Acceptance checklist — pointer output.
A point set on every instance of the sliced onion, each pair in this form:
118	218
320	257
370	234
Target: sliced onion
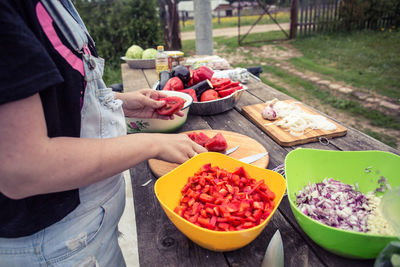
293	118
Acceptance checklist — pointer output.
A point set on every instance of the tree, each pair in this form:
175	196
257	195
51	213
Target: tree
170	23
115	25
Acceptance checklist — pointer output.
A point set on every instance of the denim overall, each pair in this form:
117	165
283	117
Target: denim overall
88	236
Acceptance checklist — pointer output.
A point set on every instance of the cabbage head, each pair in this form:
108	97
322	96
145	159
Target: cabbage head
149	53
134	52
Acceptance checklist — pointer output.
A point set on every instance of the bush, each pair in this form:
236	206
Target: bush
115	25
372	14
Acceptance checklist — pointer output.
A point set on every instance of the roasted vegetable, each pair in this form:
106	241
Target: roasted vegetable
182	73
202	73
164	77
201	87
173	84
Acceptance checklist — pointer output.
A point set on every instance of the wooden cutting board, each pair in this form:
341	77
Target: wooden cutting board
247	147
284	138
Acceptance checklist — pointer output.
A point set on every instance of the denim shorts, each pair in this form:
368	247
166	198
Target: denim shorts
83	238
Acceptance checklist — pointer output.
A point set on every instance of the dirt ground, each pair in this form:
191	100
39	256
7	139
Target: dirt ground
281	52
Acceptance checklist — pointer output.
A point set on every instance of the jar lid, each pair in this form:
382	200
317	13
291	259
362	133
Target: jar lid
175	53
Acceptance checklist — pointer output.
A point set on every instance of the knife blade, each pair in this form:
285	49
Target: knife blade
253	158
233	149
274	256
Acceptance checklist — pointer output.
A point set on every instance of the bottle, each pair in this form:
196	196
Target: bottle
161	60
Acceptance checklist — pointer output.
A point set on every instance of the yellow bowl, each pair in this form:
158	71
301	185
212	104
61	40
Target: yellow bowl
168	192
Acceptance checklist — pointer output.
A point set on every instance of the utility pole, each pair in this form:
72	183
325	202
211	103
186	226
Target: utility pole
203	27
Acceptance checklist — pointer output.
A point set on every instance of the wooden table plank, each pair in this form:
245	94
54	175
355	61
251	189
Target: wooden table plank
133	79
151	77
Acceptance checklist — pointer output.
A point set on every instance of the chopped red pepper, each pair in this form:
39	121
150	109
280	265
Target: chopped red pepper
220	200
217	143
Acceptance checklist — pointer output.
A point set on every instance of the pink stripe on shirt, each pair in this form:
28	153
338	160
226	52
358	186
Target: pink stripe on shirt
47	25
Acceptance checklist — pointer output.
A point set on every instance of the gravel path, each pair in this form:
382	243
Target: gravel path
233	31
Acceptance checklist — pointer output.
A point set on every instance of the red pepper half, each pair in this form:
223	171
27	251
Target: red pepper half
190	92
219	82
173	104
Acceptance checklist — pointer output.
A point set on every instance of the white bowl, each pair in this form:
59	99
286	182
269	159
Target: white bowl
139	125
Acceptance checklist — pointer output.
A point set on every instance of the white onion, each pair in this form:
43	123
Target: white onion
296	120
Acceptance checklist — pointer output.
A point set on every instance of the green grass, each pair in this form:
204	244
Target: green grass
189	47
365	59
231	44
226	22
375	117
253	40
112	74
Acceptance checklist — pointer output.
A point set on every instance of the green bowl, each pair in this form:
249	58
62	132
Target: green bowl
312	165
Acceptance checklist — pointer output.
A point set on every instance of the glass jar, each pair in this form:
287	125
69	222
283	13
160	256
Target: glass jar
175	58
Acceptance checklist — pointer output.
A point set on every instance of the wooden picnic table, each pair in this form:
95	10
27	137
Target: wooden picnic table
160	243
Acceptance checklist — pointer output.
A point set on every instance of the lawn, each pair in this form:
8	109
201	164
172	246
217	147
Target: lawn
366	59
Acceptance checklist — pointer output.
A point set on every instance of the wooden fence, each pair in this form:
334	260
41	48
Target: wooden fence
309	16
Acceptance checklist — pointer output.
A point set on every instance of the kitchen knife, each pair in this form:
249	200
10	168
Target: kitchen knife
274	256
233	149
253	158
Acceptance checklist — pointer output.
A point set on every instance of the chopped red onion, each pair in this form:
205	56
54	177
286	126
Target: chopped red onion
335	204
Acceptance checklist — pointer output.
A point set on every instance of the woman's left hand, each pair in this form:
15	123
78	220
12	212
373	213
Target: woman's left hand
143	104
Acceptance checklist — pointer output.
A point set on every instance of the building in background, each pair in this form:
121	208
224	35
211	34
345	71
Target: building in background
219	8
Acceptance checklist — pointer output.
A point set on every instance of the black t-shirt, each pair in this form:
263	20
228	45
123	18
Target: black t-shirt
29	64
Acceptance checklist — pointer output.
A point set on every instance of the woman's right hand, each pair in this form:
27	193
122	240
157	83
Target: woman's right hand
177	148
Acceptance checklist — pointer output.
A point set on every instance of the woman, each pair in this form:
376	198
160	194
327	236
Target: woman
63	142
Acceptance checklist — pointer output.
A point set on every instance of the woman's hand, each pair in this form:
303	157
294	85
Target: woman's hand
143	104
176	148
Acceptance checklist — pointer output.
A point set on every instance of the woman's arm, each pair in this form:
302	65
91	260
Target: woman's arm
31	163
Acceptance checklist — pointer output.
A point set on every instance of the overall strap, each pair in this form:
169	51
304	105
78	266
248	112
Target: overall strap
71	29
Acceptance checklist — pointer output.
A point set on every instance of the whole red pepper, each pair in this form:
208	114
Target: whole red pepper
201	74
174	84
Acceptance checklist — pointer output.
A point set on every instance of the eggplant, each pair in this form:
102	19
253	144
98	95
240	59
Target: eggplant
200	87
164	77
182	73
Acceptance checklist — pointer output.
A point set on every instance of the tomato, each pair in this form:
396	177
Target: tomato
174	84
173	104
208	95
219	200
217	143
